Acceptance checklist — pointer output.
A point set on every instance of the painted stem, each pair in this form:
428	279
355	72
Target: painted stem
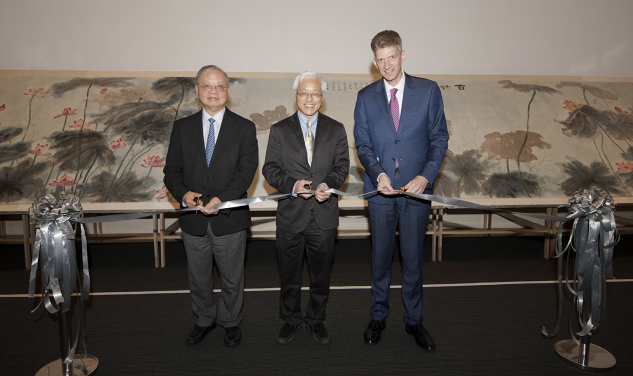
614	143
27	128
182	97
459	183
136	157
29	123
49	174
119	169
484	188
611	167
598	151
527	133
65	120
27	170
83	121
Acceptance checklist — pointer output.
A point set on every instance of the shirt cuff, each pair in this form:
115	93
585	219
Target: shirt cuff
293	189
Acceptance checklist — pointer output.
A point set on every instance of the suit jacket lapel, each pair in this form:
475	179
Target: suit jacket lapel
322	128
295	129
381	99
198	135
408	100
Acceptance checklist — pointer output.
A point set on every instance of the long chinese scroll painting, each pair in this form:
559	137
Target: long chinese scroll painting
106	138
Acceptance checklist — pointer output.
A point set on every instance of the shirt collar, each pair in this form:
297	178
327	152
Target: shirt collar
304	120
399	86
218	117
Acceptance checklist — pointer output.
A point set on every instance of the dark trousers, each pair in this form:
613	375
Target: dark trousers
228	252
412	220
319	246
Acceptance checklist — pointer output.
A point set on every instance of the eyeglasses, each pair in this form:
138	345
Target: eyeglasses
305	95
219	88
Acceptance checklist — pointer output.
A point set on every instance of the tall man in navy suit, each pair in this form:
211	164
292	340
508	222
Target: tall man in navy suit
401	139
212	158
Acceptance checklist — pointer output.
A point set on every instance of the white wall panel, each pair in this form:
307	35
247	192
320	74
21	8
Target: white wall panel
538	37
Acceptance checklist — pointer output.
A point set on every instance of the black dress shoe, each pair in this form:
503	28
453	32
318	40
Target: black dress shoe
232	336
287	333
198	333
374	331
422	337
319	333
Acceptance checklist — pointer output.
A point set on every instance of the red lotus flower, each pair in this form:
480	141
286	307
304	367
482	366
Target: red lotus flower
153	161
66	112
64	180
571	105
162	193
38	150
103	91
77	125
115	144
3	107
619	111
625	166
40	93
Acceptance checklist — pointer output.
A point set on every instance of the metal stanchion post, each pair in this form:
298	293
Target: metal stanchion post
64	340
585	355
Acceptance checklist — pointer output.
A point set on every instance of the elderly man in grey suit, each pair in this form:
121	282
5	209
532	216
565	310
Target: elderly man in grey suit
212	158
306	149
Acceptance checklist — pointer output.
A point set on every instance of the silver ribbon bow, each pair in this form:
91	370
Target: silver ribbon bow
593	238
54	251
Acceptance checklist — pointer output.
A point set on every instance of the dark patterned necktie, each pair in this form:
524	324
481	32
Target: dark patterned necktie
210	141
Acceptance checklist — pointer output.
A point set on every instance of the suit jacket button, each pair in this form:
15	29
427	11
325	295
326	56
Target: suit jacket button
311	175
208	178
393	159
208	196
397	142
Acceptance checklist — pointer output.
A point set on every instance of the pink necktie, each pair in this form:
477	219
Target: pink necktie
395	112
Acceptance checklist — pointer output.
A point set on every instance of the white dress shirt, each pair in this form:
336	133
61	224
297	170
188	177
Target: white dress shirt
216	126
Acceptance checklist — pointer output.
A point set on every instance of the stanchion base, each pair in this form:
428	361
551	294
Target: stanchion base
54	368
599	359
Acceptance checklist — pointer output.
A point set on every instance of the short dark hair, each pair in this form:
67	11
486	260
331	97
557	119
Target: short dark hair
385	39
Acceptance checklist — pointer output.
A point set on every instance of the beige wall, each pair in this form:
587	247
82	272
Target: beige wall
536	37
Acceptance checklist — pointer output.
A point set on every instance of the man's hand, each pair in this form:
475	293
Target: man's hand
300	187
384	185
190	199
214	201
417	185
320	194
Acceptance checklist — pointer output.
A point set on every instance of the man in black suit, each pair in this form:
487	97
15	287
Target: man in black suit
307	147
212	158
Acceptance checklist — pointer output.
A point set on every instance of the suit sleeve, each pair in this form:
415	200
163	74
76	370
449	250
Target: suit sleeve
364	143
174	168
438	136
272	170
340	169
246	166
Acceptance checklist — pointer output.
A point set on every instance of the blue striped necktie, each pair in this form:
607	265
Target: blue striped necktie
210	141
